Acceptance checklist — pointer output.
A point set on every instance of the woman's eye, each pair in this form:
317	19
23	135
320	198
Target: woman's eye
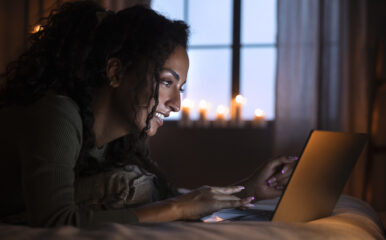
182	89
166	83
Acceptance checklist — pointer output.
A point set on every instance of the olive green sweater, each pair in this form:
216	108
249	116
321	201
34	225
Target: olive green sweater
39	147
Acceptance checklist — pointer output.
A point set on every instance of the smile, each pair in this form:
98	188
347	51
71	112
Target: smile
160	118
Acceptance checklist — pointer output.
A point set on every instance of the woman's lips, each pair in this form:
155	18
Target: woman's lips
159	121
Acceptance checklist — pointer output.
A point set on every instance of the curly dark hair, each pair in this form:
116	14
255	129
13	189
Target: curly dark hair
69	56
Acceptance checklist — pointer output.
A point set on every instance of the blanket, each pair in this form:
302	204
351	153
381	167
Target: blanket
351	219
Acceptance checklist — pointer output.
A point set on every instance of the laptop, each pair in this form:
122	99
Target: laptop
315	185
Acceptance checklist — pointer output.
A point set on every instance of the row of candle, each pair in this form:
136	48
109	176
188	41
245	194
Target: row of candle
221	114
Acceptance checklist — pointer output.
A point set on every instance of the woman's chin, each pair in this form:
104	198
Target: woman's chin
152	131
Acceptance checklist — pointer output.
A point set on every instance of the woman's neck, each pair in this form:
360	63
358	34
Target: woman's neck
107	126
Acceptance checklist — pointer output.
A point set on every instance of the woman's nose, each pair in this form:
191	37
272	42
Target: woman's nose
174	102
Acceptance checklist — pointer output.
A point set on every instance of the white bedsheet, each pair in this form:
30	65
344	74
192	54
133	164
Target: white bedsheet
351	219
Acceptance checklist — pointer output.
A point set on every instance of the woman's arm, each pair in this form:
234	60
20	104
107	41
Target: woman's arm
49	152
194	205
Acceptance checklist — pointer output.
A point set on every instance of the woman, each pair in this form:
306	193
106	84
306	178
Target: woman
76	109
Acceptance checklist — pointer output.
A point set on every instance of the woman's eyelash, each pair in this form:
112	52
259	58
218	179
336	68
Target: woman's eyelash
166	82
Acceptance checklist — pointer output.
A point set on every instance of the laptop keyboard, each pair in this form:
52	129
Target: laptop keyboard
258	215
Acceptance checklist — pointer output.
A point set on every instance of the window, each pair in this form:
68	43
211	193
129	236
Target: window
232	50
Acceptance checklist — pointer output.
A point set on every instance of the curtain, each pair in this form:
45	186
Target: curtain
323	76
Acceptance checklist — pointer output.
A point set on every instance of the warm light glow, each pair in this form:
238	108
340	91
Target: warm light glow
259	113
37	28
187	103
240	99
203	104
221	109
213	219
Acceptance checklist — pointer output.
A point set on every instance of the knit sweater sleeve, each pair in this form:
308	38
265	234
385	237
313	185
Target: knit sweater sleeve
48	153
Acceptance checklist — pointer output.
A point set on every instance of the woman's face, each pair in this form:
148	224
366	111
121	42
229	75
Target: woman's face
172	78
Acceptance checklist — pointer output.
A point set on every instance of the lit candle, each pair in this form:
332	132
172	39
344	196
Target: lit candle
203	109
37	28
237	105
220	116
259	119
186	107
203	113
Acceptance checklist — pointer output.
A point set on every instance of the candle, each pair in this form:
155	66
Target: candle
259	119
203	114
237	105
186	107
220	116
203	109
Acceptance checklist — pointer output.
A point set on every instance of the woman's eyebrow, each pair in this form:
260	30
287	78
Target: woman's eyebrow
175	75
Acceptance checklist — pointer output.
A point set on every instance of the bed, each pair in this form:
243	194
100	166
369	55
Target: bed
351	219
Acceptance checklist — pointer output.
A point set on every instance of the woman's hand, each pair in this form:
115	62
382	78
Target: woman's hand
194	205
269	180
206	200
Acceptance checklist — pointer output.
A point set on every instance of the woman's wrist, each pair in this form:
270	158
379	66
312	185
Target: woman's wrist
162	211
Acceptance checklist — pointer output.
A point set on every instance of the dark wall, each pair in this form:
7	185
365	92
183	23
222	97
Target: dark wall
192	157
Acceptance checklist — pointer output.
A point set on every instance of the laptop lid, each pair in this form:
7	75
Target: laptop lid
320	176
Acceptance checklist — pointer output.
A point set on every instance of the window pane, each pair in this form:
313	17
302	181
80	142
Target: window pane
173	9
258	73
209	79
210	21
258	21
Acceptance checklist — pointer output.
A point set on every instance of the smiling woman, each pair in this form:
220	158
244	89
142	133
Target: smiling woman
75	113
172	79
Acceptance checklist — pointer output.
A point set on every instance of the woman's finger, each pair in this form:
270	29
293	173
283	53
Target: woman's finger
283	181
285	172
276	162
237	203
227	190
277	178
272	182
290	159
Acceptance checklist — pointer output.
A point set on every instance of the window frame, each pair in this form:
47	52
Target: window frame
235	45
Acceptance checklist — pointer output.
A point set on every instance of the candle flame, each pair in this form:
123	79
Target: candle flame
187	103
203	104
240	99
259	113
221	109
37	28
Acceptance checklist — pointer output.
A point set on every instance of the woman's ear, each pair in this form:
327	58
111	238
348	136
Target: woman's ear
113	70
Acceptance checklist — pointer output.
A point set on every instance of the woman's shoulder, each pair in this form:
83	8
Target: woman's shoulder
53	106
57	101
51	112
